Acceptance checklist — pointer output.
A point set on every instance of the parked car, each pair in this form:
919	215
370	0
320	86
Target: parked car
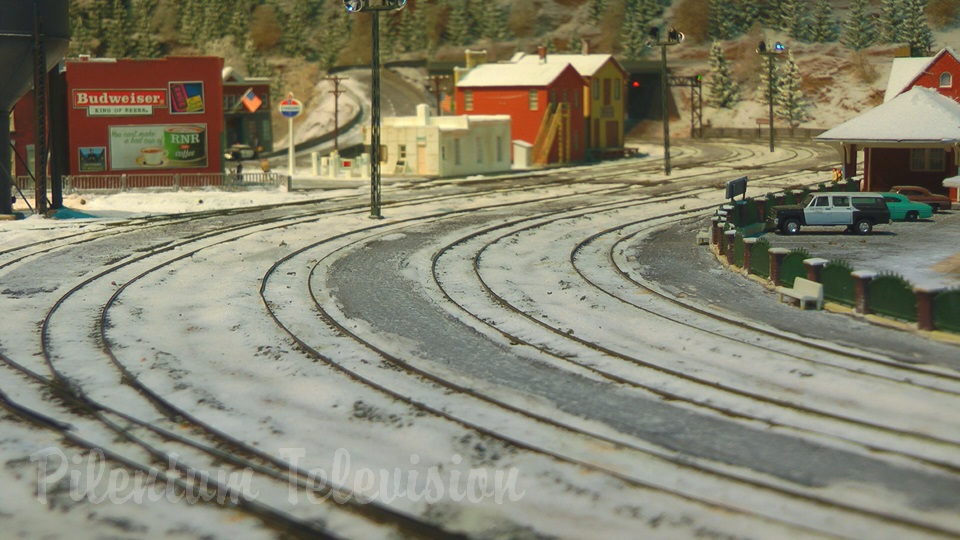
923	195
903	209
859	212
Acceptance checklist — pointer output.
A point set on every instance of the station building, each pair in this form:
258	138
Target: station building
913	137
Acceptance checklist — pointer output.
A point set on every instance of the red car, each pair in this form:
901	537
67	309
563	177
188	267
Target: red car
919	194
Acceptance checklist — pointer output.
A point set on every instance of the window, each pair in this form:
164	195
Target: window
456	151
553	97
534	100
499	149
596	89
617	83
443	153
383	153
927	159
402	151
946	80
468	100
841	201
823	201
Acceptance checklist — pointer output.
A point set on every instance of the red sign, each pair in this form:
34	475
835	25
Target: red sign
108	98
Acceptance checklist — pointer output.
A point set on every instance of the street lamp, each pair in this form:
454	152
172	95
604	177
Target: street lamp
674	37
374	6
762	50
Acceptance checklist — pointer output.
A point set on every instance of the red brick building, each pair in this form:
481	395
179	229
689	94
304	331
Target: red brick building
543	100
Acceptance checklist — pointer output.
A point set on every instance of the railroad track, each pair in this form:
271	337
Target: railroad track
156	414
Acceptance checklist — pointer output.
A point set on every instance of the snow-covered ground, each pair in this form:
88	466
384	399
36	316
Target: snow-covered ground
185	317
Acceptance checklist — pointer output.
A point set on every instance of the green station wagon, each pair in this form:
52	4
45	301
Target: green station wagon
903	209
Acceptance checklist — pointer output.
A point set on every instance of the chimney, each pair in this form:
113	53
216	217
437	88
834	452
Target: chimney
475	58
423	114
584	46
542	52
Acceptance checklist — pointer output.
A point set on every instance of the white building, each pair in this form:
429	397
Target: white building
429	145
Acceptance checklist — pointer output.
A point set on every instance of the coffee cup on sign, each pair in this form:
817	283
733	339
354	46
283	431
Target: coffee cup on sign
152	155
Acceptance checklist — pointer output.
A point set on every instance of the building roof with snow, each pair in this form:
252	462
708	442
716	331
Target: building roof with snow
905	71
587	65
511	74
920	115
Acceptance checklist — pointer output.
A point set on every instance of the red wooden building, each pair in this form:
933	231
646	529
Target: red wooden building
914	136
543	100
139	118
130	116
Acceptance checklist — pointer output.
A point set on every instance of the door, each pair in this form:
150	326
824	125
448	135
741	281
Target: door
421	158
613	134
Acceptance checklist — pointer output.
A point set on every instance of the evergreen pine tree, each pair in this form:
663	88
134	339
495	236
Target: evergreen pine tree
191	22
916	31
145	40
239	23
334	33
118	30
892	15
295	40
823	29
724	91
859	32
791	103
459	25
637	21
793	18
768	85
723	20
490	20
595	10
81	36
256	64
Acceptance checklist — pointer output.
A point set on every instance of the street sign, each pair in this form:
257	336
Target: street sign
291	108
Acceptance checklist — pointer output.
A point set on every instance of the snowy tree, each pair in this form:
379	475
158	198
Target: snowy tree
297	21
595	10
145	40
334	33
822	28
724	91
723	20
118	30
240	21
791	103
82	36
768	84
792	18
892	15
460	24
916	31
859	32
638	19
490	19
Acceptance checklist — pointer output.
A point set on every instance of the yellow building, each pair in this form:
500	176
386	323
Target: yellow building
604	95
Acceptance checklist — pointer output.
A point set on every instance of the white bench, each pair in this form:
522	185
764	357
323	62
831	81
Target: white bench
804	291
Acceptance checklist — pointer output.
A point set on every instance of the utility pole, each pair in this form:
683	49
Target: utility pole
437	79
336	109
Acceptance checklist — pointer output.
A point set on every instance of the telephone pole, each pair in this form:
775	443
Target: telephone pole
336	109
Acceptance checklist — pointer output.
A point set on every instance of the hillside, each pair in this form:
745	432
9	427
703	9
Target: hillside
297	41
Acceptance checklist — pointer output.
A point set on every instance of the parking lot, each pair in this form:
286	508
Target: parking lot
925	252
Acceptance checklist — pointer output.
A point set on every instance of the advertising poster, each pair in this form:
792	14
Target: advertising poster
174	146
186	98
93	159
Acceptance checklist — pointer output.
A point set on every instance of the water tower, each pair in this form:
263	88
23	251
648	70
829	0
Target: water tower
19	20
